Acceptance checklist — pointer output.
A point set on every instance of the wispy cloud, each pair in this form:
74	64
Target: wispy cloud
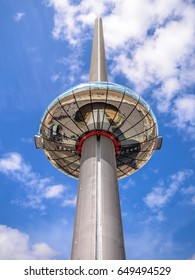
14	166
144	244
160	217
11	163
16	245
55	77
27	140
192	150
163	193
127	184
70	202
190	193
184	114
73	66
19	16
55	191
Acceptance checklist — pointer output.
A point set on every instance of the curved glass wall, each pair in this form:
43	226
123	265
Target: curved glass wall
69	116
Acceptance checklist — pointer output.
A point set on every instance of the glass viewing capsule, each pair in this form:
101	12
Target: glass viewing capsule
82	111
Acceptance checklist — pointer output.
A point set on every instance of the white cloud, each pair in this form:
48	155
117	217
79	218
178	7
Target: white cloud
19	16
190	193
27	140
192	150
158	60
73	66
157	215
155	171
190	190
14	166
157	198
162	194
125	184
42	251
160	217
55	77
184	114
55	191
70	19
144	244
150	42
10	163
70	202
193	257
193	200
15	245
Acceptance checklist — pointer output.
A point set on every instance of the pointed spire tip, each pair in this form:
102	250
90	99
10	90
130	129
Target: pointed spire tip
98	69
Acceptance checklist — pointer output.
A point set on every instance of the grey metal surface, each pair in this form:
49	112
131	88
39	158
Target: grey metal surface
98	230
158	143
98	120
98	70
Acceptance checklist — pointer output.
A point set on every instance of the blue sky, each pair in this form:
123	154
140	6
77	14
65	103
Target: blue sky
45	49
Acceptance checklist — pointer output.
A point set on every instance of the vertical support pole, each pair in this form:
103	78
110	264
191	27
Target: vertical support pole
98	69
98	233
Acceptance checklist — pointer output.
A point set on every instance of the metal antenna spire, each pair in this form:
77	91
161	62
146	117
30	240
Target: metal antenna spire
98	69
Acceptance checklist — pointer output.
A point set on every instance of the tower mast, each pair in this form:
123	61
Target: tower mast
98	233
98	69
98	132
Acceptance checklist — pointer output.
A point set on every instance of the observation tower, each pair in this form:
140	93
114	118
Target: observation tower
98	132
